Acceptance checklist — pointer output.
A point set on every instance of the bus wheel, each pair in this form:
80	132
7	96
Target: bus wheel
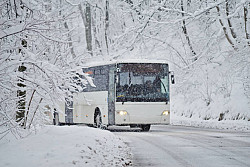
145	128
97	119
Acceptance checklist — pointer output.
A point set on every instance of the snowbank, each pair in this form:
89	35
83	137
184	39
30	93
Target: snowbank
217	110
66	146
239	125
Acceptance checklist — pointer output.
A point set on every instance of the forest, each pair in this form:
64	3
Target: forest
45	43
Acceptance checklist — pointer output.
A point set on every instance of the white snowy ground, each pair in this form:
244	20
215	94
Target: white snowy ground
238	125
75	146
66	146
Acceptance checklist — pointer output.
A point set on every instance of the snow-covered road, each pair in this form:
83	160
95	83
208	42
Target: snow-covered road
177	146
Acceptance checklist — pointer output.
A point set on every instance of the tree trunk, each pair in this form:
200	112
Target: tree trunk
88	28
21	94
97	44
70	43
245	24
35	113
86	17
107	24
184	28
229	21
225	30
28	109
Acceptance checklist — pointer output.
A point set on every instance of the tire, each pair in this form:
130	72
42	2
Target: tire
145	128
98	119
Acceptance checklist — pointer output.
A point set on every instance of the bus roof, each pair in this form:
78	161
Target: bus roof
100	63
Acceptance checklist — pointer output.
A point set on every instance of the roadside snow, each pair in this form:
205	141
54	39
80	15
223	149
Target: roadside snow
239	125
66	146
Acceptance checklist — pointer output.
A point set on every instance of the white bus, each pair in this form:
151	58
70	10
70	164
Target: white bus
125	93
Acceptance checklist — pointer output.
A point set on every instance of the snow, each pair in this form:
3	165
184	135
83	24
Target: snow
66	146
216	84
230	112
180	146
12	30
98	62
237	125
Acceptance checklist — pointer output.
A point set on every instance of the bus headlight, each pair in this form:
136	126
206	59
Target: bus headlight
122	113
166	112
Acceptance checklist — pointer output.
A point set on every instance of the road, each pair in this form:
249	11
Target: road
176	146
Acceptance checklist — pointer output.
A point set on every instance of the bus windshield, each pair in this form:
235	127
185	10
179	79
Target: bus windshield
142	82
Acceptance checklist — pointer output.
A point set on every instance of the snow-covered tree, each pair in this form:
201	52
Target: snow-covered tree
39	60
43	44
207	43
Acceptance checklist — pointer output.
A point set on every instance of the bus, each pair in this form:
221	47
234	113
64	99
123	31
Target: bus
125	94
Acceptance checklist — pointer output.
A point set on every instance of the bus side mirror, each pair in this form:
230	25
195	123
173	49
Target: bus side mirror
172	77
116	75
116	79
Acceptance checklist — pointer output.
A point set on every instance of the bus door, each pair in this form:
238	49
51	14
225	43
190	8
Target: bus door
69	111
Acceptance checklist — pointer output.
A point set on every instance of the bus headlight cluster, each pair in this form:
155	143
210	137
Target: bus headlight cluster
122	113
166	112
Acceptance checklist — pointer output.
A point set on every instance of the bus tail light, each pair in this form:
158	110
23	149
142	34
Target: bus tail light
166	112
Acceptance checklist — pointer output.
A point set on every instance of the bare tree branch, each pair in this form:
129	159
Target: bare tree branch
225	29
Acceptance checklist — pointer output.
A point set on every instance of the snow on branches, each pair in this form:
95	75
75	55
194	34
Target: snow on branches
38	61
